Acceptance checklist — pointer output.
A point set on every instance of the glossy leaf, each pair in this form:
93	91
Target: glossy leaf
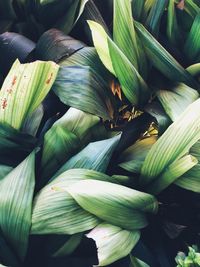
55	45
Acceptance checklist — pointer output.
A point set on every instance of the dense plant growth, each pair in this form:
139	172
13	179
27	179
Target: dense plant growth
99	133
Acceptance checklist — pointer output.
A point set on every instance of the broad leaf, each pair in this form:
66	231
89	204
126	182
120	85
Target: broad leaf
113	203
133	85
81	88
100	37
95	156
16	205
176	100
113	243
4	170
24	89
56	212
172	173
173	144
124	34
55	45
190	180
64	138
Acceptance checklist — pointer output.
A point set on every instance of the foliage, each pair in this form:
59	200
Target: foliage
99	132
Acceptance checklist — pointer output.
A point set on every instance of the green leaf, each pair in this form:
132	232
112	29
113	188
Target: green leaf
137	263
124	34
81	88
95	156
133	85
54	45
137	8
172	173
190	180
156	110
153	20
173	144
162	60
132	159
4	170
16	205
176	101
100	37
65	138
24	89
191	8
33	121
67	22
192	44
69	246
87	56
56	212
6	253
173	31
14	145
194	69
113	243
113	203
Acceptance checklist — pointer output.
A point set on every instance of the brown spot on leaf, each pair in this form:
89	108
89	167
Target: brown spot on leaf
4	103
49	79
14	80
